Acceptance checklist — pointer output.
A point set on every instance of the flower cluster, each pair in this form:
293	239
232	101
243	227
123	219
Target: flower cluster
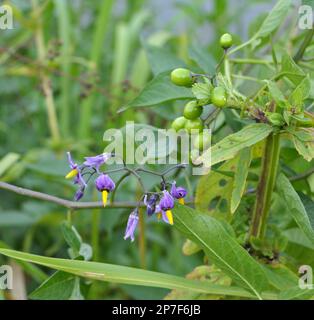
90	166
161	209
159	203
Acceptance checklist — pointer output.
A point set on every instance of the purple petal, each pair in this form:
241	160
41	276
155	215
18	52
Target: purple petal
164	217
79	194
166	202
104	182
177	192
131	226
79	180
71	162
97	161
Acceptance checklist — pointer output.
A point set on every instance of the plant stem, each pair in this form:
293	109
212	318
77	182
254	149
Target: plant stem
250	61
306	42
265	186
62	9
101	28
41	52
142	239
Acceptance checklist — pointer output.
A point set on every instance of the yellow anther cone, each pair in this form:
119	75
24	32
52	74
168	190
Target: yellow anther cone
181	200
71	174
169	216
104	197
159	215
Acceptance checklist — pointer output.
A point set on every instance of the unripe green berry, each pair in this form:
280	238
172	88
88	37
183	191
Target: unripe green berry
196	124
192	110
219	97
226	41
182	77
178	123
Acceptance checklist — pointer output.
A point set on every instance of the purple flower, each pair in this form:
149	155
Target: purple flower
151	204
75	172
162	214
104	184
131	225
79	194
166	202
97	161
178	192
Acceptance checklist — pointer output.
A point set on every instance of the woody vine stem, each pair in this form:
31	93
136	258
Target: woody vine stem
270	161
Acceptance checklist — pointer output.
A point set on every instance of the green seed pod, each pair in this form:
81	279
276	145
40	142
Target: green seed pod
226	41
182	77
178	123
192	110
196	124
219	97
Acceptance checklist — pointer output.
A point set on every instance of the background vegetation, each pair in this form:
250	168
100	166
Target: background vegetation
67	67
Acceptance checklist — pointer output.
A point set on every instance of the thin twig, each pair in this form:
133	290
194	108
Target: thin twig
63	202
72	205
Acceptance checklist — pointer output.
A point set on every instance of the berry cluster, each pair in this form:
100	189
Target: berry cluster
193	110
159	203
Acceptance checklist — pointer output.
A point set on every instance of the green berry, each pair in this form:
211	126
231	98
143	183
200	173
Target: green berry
192	110
178	123
182	77
226	40
196	124
219	97
202	141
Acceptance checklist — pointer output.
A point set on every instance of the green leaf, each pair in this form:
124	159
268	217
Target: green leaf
276	93
8	161
159	90
222	250
300	93
280	276
240	177
294	206
303	140
126	275
203	58
161	59
274	19
215	186
202	91
12	218
228	147
58	287
296	293
291	70
72	237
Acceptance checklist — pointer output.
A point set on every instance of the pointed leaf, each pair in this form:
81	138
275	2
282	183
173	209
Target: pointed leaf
159	90
274	19
126	275
222	249
228	147
240	177
294	206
